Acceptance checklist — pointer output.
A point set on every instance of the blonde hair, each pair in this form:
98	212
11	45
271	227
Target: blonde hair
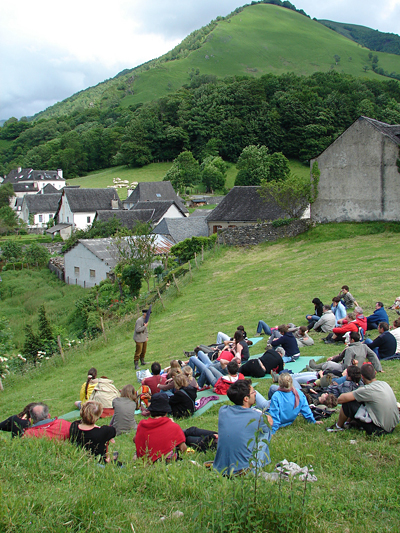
285	381
174	364
188	371
91	412
181	381
129	392
174	372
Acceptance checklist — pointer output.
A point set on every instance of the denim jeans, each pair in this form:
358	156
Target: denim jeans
369	341
221	337
261	402
207	370
201	358
263	326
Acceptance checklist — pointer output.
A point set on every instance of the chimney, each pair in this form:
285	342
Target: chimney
60	173
114	203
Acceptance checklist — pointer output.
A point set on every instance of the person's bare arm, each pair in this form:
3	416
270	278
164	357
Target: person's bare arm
346	397
182	447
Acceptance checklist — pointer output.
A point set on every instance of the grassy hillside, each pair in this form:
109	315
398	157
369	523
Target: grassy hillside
54	487
260	39
372	39
156	172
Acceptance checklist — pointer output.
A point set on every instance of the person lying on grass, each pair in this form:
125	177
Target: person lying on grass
243	433
158	436
286	404
86	434
271	360
372	407
17	423
45	426
350	381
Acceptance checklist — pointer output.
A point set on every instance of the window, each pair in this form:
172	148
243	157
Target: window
88	220
40	218
76	271
92	273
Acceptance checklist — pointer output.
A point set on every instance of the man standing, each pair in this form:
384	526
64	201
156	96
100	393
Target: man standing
242	432
373	407
140	336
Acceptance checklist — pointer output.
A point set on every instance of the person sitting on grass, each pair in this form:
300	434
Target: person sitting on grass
124	410
318	310
372	407
158	436
86	434
327	321
271	360
17	423
346	297
243	433
287	341
302	337
168	386
286	404
385	345
338	309
188	372
353	322
395	331
156	379
45	426
87	387
379	315
182	401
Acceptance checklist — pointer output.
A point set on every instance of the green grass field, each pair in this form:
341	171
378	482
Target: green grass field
156	172
52	487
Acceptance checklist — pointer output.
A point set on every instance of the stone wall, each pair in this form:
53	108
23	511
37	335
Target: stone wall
258	233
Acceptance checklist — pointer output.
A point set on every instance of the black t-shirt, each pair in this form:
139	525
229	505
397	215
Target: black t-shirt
245	351
182	402
14	424
94	440
272	361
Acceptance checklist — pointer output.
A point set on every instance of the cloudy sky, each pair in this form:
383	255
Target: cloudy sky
50	50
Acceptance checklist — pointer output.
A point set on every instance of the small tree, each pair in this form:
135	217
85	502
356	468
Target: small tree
132	276
185	171
293	195
6	193
46	338
336	58
31	345
213	173
35	254
11	251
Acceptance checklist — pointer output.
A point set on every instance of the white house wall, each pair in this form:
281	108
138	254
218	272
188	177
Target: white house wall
57	184
173	212
81	220
79	256
65	215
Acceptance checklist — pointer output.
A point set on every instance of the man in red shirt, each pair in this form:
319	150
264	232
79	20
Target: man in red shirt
159	436
45	426
155	379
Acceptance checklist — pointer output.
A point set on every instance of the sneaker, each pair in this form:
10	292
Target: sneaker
334	429
312	363
188	354
274	376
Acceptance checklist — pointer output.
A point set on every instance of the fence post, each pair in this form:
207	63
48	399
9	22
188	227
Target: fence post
202	252
195	259
60	347
103	329
159	295
176	283
190	270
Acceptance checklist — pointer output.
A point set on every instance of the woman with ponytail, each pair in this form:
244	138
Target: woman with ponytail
87	387
288	402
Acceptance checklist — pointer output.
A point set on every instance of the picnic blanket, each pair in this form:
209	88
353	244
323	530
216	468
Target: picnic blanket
72	415
217	398
254	340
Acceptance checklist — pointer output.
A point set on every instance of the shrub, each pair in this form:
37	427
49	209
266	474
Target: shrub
186	249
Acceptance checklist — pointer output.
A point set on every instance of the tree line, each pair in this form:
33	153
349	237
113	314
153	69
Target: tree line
296	115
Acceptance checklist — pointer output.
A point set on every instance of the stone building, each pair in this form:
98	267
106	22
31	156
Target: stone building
360	177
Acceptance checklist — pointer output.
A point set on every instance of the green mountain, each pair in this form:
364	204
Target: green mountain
252	41
372	39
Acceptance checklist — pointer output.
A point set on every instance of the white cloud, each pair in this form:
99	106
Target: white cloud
51	50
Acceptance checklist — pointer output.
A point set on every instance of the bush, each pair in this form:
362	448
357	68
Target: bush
186	249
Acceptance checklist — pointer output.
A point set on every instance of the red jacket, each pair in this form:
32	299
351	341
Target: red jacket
56	428
223	384
350	326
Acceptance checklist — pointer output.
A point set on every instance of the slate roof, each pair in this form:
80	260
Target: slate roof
87	200
30	175
245	204
180	229
48	189
200	213
159	208
128	218
107	251
42	203
155	191
25	187
393	132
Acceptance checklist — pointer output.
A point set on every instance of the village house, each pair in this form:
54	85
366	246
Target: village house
38	209
360	177
155	191
242	206
91	261
29	181
179	229
78	207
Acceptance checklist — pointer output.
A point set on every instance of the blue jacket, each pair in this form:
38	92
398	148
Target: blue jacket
283	412
379	315
339	311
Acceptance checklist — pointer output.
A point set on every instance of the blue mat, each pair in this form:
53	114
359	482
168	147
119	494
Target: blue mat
72	415
254	340
295	367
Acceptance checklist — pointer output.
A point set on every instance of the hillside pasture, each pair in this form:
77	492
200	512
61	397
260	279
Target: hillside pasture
42	482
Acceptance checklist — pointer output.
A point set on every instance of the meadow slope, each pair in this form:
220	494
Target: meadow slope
54	487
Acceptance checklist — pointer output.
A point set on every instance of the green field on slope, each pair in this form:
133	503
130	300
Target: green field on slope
54	487
262	39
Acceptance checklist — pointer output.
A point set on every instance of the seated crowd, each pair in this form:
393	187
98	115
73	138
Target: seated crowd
347	380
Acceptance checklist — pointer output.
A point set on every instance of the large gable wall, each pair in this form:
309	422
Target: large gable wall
359	178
